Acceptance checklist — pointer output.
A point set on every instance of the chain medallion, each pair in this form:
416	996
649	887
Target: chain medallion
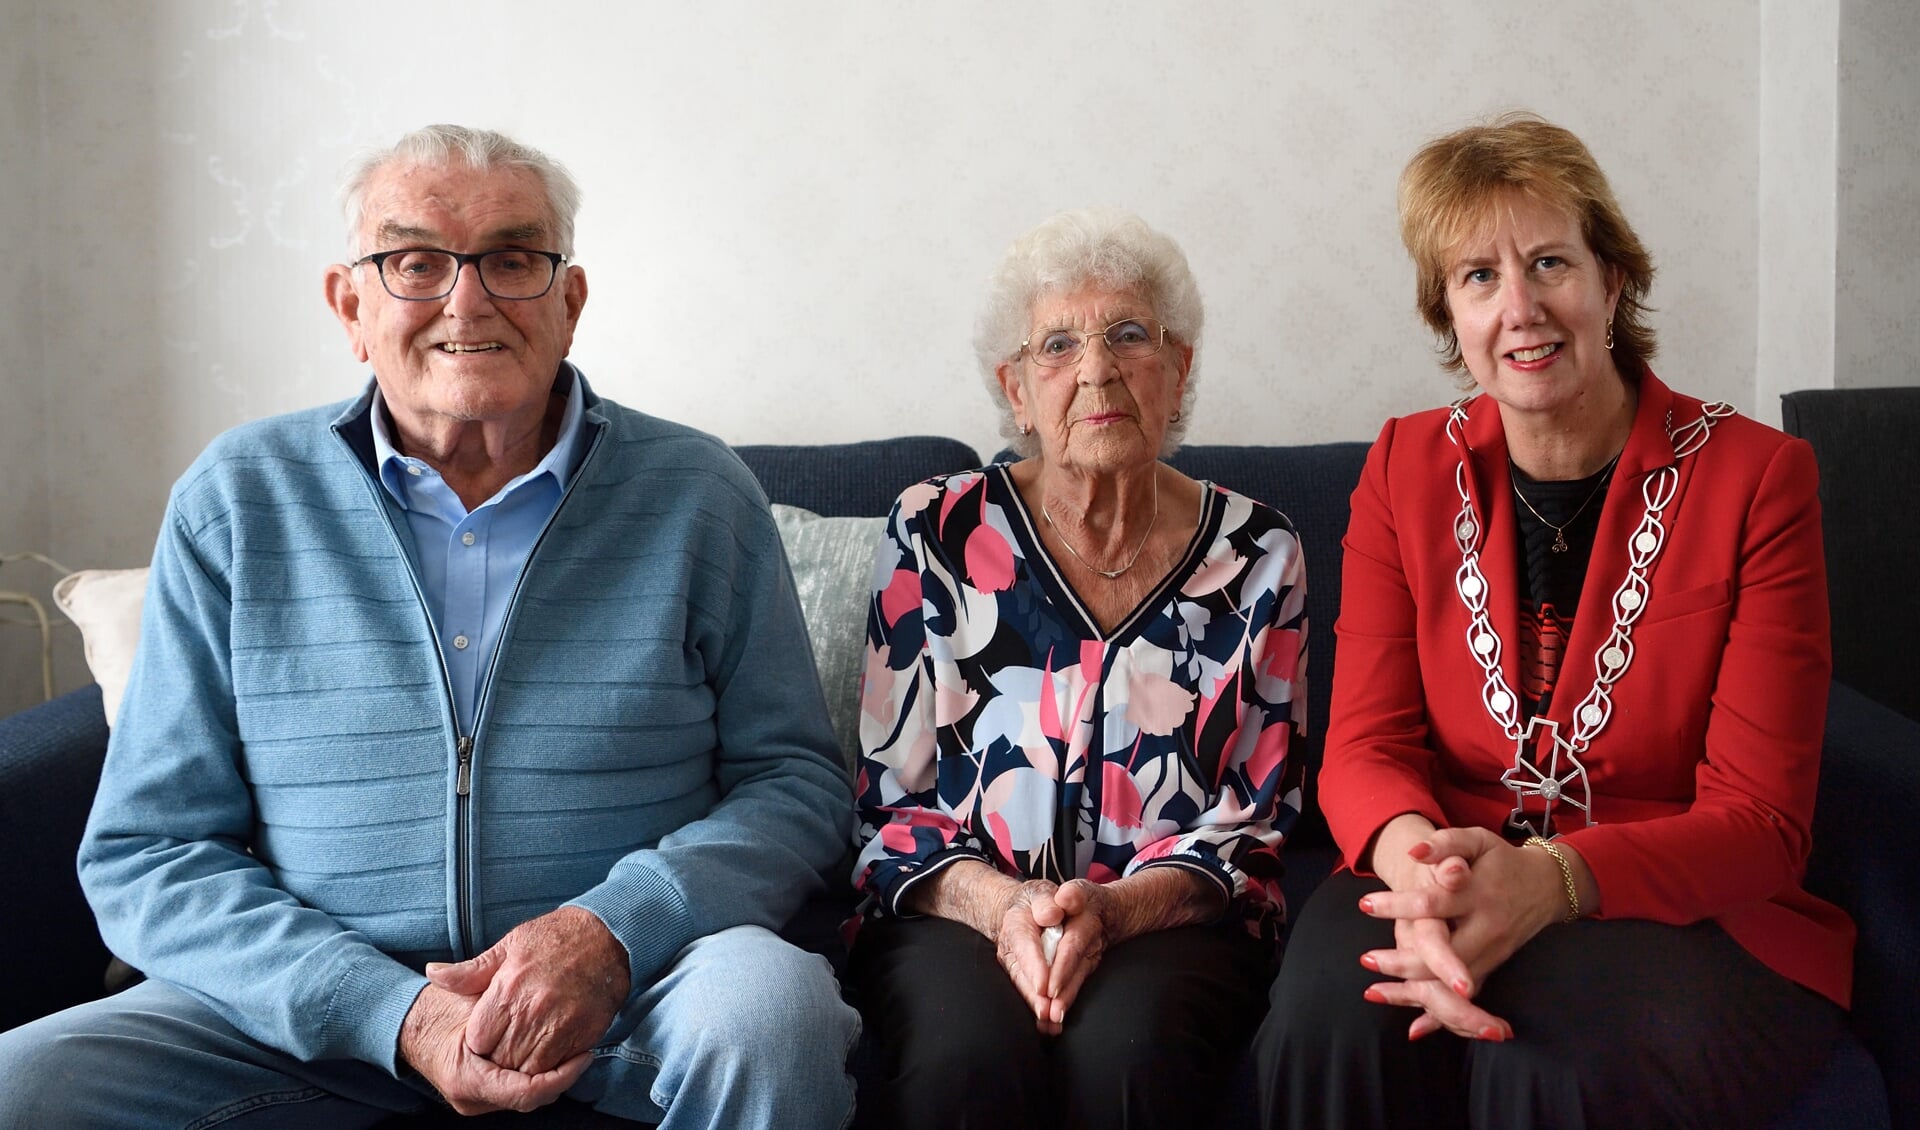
1554	774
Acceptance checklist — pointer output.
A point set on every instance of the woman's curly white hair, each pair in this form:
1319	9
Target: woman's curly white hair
1103	247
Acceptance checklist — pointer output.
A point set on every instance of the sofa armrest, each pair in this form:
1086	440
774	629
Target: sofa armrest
50	758
1866	858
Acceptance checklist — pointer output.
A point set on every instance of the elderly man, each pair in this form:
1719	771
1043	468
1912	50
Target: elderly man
474	745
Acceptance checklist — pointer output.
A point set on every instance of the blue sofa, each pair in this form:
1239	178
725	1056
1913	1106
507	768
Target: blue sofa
1867	829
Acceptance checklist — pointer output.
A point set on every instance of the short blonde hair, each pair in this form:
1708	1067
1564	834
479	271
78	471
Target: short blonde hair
1452	186
1105	247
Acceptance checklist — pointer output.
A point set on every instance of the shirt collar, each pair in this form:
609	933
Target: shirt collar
558	463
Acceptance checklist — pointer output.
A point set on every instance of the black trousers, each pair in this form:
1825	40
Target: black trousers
1151	1041
1616	1024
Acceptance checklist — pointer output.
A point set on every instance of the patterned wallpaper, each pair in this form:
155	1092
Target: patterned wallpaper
790	208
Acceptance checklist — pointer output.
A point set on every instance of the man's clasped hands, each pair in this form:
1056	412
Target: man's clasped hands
514	1027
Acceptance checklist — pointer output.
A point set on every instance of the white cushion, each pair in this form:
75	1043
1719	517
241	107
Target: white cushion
832	561
106	604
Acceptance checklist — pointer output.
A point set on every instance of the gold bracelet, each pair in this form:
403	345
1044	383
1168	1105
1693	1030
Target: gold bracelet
1566	873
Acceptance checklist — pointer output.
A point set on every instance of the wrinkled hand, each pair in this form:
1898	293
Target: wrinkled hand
546	992
1472	903
433	1042
1026	910
1083	906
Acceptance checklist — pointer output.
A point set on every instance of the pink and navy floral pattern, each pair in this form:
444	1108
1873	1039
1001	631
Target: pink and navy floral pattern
999	723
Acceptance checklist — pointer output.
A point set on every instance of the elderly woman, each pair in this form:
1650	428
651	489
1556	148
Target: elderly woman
1085	678
1577	710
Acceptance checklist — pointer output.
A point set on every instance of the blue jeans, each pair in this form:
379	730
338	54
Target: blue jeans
742	1030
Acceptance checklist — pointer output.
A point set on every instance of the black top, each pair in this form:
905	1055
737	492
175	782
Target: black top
1557	525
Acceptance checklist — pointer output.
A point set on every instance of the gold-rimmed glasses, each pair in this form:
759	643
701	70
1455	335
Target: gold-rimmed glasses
1128	339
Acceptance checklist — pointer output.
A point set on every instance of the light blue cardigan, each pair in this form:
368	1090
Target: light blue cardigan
280	828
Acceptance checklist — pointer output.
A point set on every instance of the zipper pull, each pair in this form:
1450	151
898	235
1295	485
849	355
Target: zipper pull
464	783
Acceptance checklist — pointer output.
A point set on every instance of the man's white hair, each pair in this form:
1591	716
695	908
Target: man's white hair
1103	247
438	146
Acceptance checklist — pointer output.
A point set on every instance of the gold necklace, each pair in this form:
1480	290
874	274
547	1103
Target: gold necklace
1137	550
1560	531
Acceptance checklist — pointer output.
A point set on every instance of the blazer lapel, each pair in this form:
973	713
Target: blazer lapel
1489	485
1648	450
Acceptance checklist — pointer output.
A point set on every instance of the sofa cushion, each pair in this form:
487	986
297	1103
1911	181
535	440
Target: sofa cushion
50	758
106	604
832	561
1869	470
852	480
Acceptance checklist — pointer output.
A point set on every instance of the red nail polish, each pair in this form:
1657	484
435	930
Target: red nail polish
1494	1034
1373	994
1368	961
1462	988
1421	1034
1366	905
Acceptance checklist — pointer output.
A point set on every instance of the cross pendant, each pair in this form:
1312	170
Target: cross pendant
1553	774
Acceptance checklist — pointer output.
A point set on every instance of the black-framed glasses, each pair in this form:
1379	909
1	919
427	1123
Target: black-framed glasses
422	274
1128	339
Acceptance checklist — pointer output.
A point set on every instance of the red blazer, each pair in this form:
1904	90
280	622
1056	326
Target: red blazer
1703	779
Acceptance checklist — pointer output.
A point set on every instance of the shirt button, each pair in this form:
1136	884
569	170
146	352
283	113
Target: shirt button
412	470
466	538
460	643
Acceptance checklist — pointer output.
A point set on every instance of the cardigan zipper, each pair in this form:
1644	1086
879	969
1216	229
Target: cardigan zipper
463	786
464	744
463	781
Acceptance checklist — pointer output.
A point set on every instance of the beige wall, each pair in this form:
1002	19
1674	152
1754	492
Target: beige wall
791	207
1877	314
23	453
1799	122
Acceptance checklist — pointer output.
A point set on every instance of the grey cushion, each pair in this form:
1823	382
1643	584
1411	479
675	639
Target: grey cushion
832	561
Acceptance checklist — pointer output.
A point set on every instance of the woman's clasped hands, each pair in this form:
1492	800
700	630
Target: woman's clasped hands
1462	901
1049	984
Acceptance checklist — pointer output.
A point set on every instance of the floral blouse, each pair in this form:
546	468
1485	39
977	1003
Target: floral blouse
1000	723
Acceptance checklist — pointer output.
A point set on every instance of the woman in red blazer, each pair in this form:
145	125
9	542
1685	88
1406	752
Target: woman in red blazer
1577	711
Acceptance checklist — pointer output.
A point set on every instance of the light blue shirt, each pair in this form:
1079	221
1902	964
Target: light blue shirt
470	560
